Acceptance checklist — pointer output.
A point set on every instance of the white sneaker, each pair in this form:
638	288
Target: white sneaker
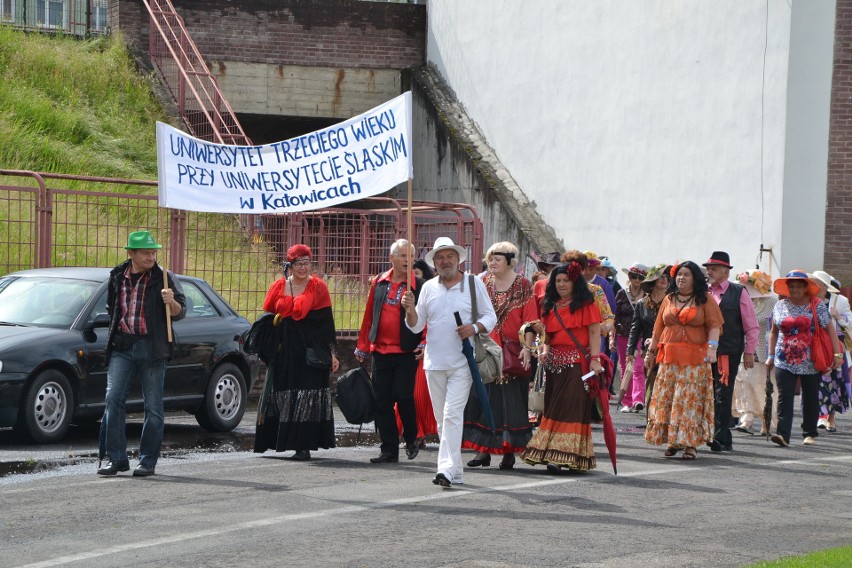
822	423
626	408
809	441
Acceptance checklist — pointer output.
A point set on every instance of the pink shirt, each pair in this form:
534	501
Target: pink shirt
749	318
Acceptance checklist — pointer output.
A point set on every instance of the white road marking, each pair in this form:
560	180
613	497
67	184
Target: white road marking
459	492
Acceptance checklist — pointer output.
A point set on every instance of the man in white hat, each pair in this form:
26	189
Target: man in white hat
447	371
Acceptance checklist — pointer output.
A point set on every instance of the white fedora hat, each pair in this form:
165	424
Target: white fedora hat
825	278
444	243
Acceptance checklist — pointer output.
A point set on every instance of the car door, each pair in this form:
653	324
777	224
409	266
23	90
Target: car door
196	336
95	340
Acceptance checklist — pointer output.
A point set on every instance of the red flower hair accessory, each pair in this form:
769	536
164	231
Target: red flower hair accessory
574	271
297	252
673	271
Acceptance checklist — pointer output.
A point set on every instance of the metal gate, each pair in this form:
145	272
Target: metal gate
59	220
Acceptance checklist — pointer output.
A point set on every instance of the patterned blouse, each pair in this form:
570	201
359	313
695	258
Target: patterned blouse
795	329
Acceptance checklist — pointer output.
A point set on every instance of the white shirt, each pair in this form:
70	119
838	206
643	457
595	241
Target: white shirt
435	309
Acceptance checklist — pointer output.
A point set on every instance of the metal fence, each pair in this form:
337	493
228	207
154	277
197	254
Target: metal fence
75	17
59	220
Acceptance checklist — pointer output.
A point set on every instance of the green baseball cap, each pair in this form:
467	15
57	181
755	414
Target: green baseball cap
142	240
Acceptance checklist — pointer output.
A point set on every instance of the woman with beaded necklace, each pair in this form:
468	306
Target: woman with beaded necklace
686	335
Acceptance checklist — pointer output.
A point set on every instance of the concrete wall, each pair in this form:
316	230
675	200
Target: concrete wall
807	127
305	91
305	58
646	130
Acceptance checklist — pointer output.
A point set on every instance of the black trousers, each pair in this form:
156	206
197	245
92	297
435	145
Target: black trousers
810	402
393	382
723	397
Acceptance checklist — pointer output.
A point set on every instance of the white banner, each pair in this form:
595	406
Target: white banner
364	156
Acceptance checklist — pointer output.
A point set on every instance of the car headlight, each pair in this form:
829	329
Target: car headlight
1	366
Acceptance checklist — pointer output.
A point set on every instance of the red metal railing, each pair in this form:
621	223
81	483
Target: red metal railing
183	71
58	220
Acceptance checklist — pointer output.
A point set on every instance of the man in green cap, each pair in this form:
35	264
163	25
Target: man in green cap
137	347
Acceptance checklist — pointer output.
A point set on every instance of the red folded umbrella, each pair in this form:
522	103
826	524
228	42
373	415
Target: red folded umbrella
599	392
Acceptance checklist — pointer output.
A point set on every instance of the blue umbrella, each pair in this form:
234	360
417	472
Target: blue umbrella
478	385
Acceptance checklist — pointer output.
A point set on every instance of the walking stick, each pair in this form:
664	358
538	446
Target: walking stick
165	283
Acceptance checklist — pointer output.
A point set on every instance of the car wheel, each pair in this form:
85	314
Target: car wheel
47	406
225	399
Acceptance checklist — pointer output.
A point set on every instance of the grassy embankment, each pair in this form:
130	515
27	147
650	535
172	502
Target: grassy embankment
80	107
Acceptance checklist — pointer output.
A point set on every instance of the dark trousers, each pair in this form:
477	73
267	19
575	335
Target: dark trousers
810	402
724	395
393	382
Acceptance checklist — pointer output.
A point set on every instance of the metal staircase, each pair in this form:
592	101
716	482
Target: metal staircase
175	56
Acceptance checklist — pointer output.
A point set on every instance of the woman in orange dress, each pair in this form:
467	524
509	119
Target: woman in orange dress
564	438
295	412
686	335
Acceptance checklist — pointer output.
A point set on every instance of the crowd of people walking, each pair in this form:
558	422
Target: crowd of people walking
699	352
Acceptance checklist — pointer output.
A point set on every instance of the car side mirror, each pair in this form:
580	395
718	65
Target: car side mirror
101	320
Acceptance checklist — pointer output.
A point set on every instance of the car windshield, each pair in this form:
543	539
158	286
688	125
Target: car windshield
43	302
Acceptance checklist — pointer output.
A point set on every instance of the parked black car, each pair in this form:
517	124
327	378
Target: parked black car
53	341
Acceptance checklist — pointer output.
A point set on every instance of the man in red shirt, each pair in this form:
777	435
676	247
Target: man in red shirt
385	335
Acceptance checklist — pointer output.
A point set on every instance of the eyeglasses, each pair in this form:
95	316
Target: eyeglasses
302	264
635	276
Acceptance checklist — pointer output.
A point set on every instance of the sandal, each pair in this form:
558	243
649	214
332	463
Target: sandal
671	451
689	454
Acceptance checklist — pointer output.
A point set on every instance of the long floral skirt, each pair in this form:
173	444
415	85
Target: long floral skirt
681	410
564	436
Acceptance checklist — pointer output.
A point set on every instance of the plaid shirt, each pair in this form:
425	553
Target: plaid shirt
132	304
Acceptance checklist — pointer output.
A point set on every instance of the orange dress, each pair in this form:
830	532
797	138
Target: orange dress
681	409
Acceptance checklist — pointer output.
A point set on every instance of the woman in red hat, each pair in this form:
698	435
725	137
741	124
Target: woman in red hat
295	412
790	339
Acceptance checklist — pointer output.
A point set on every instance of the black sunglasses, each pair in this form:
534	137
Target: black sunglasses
635	276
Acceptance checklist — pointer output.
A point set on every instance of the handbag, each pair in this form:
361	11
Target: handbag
316	358
488	355
512	363
822	351
536	400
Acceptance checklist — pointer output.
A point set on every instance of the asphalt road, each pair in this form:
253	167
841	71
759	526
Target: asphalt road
216	507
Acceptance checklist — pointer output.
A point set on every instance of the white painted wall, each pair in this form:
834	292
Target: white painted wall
638	126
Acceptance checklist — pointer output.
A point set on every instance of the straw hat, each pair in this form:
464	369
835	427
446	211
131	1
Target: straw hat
824	278
445	243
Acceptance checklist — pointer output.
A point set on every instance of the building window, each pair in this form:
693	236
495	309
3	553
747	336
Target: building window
50	13
7	11
99	15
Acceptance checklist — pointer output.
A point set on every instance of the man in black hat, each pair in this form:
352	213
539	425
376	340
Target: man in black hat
737	342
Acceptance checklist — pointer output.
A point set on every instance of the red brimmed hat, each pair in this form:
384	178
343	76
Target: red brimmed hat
780	284
719	258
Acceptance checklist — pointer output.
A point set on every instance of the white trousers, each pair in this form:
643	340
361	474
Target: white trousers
449	391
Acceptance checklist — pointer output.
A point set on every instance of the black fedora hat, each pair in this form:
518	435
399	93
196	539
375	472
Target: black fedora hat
719	258
549	259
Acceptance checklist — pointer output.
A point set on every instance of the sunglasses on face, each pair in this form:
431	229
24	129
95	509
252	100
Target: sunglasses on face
635	276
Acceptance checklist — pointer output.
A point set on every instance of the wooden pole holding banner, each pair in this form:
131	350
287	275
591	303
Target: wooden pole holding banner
165	277
411	280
